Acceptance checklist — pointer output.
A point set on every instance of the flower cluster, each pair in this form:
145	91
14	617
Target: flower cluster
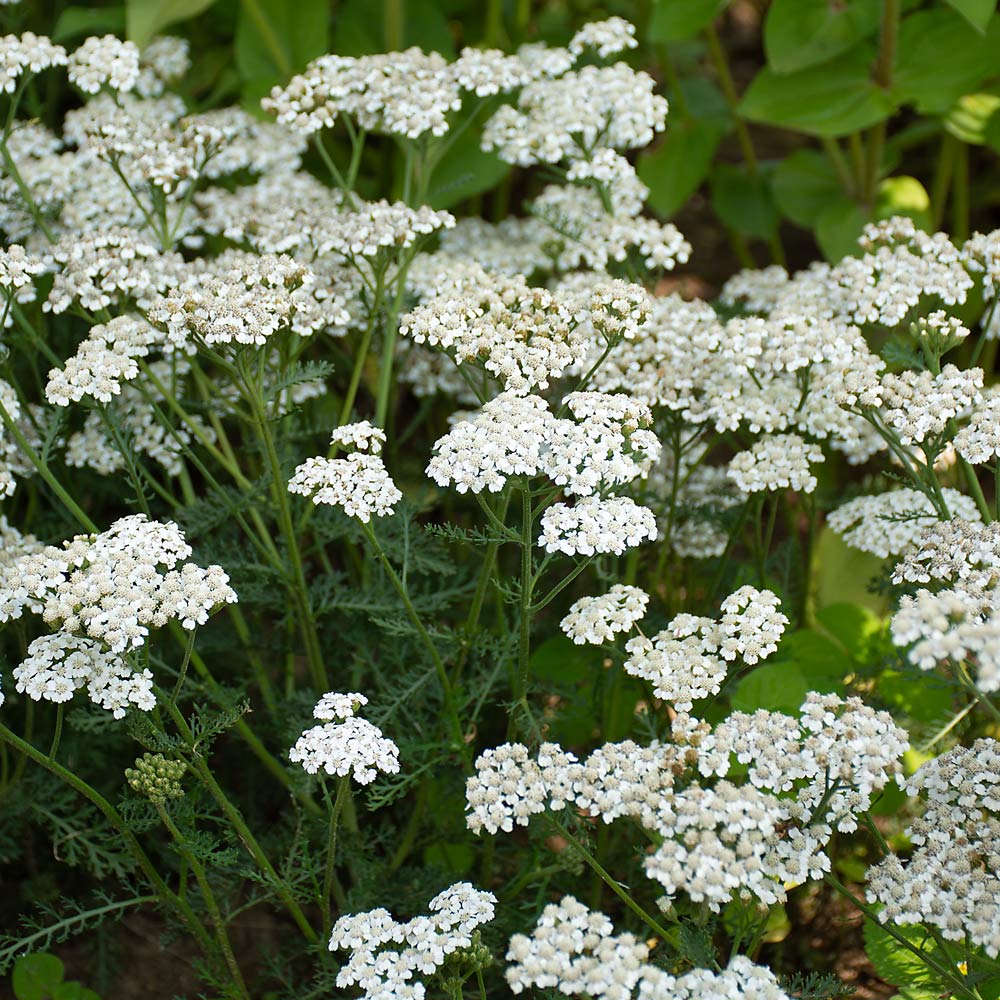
776	462
116	586
720	840
687	661
574	950
955	616
59	664
951	881
598	620
30	52
345	744
386	956
359	484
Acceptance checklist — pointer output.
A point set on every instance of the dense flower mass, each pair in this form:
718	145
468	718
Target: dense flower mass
359	484
113	587
951	881
345	745
387	956
686	590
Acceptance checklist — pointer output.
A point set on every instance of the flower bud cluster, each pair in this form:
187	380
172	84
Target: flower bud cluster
156	777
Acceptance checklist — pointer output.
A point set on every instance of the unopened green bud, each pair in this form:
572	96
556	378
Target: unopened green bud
156	777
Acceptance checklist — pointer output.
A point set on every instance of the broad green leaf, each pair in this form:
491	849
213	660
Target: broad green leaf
806	661
562	660
973	116
73	22
976	12
677	166
676	20
36	977
454	858
360	28
817	657
838	227
829	100
275	39
841	574
803	185
851	626
895	963
904	196
803	33
928	72
777	687
74	991
928	700
703	100
465	170
145	18
744	201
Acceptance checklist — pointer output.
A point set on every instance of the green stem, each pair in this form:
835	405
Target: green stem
840	166
666	936
57	735
967	682
924	957
330	883
960	195
233	815
943	172
45	472
393	18
447	691
163	891
211	903
524	603
279	489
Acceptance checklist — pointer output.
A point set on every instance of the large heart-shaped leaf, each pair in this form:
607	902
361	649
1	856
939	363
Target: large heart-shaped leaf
803	33
834	99
145	18
928	71
676	168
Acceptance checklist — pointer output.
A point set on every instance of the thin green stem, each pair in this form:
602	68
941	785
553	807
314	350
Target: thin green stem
447	691
57	735
330	883
163	891
235	818
215	914
279	490
945	973
661	932
45	472
523	665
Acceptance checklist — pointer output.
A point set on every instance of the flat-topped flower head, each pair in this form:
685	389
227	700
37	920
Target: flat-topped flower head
951	879
117	586
106	61
598	620
605	38
30	52
570	117
59	664
596	526
776	462
359	484
387	956
345	744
